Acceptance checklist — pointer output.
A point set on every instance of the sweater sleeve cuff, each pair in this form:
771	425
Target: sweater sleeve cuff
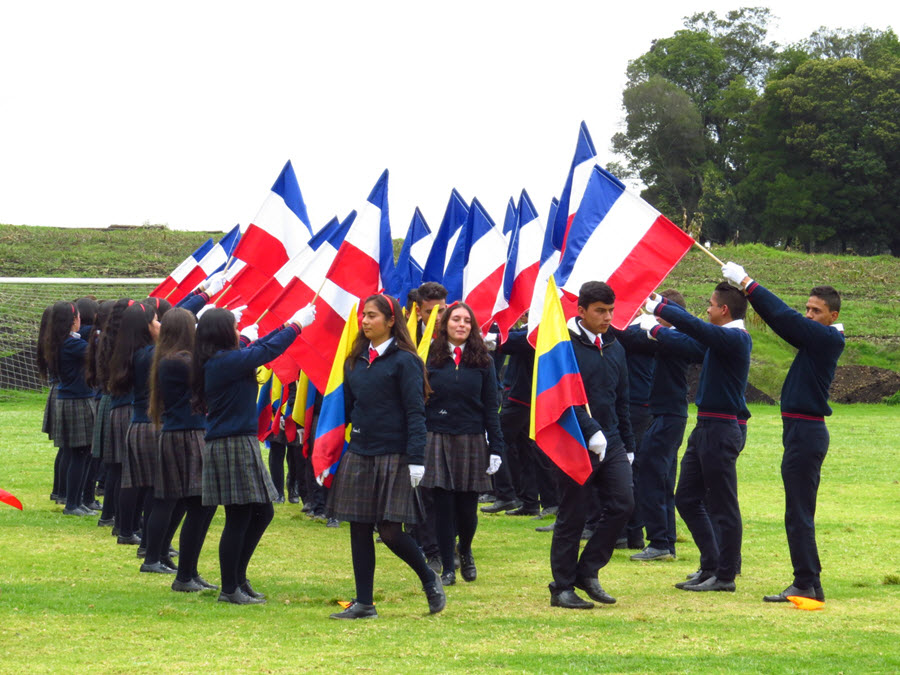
752	286
296	328
244	341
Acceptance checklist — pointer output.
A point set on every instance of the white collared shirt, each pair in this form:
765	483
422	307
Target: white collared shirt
737	323
380	348
592	336
452	347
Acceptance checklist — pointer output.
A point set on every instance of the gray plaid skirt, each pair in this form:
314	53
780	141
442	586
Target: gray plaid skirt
179	464
369	489
234	473
139	467
47	426
73	422
101	436
119	421
457	462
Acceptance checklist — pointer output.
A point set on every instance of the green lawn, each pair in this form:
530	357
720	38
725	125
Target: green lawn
72	600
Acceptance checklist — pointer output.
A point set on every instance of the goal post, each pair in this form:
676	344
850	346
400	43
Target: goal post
22	302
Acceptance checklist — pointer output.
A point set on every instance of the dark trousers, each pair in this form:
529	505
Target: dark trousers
707	494
425	532
609	487
654	474
805	447
514	423
111	491
277	454
640	421
455	512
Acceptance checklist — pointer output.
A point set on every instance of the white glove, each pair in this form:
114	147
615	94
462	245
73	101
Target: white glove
281	423
653	302
214	284
304	317
630	457
734	274
250	332
204	310
647	321
320	479
494	465
238	313
597	445
490	341
416	472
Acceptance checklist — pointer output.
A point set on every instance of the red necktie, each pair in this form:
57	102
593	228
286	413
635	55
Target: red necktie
373	354
598	343
457	355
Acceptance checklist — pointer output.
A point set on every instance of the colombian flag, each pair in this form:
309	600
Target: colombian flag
555	390
332	429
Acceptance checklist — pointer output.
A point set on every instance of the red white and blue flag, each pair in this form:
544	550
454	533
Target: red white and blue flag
445	240
619	238
413	256
175	286
480	253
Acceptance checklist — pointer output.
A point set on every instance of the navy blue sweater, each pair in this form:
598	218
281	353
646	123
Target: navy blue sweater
605	376
805	389
726	365
230	387
174	380
70	383
142	360
386	405
520	368
464	402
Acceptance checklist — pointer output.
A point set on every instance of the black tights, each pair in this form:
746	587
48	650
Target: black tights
362	547
111	491
75	474
193	534
162	522
455	513
244	527
131	501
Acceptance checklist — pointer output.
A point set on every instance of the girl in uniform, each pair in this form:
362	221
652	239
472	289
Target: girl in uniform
385	389
224	385
458	459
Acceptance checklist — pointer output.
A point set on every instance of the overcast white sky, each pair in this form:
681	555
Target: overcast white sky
184	112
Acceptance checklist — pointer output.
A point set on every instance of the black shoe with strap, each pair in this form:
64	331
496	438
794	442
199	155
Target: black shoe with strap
434	592
356	610
569	600
467	566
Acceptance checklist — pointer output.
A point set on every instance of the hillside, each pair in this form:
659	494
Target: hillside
870	286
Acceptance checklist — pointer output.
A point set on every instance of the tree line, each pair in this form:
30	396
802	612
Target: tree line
737	138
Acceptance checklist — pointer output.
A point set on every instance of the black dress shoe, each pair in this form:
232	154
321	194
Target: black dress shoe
190	586
142	551
502	505
94	506
240	598
173	552
133	540
168	562
546	528
204	583
157	568
448	578
696	578
483	498
278	500
711	584
106	522
593	588
434	562
467	566
294	499
569	600
357	610
115	530
622	542
522	511
76	511
434	592
248	589
816	593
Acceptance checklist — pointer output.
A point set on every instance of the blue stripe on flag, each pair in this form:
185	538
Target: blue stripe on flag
553	365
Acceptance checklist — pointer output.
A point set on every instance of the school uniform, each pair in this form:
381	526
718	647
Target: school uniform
601	361
141	439
804	406
707	485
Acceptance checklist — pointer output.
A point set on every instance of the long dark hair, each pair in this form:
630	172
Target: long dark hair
215	333
175	341
161	305
62	316
87	309
41	358
91	356
107	344
388	307
475	355
134	333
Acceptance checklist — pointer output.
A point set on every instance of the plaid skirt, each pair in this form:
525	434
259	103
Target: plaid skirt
73	422
457	462
47	426
101	436
179	464
139	467
369	489
234	473
119	421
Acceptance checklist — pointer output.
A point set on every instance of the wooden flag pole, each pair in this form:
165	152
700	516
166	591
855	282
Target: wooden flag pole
707	252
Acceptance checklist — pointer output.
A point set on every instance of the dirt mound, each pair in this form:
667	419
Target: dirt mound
863	384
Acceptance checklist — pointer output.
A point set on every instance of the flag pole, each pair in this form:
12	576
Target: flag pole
707	252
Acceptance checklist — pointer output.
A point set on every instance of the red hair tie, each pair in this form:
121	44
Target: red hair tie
390	304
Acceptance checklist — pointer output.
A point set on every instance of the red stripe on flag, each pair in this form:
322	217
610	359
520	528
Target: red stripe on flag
314	350
565	451
327	449
648	264
262	250
355	271
482	298
519	300
167	286
194	277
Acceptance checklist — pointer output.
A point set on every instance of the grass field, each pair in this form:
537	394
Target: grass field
72	600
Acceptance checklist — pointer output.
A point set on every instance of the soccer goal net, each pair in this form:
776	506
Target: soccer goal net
23	300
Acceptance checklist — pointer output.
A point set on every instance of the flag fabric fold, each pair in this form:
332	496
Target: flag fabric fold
189	272
445	239
556	389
